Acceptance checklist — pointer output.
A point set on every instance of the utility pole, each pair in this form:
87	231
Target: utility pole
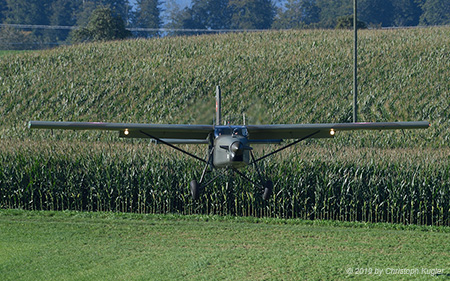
355	62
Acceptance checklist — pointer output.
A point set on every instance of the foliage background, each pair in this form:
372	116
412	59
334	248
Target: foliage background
205	15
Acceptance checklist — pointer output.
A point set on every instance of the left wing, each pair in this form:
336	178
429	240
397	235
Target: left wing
299	131
177	132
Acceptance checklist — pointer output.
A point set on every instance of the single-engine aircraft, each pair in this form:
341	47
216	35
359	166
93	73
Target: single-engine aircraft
229	146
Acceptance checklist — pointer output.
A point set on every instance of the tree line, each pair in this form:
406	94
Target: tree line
294	14
97	19
210	15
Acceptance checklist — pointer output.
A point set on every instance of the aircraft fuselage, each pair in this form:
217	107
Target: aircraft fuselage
231	147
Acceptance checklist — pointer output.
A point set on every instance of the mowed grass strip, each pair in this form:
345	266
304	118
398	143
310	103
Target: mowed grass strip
94	246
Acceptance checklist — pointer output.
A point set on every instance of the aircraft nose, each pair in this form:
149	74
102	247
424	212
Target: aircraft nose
237	148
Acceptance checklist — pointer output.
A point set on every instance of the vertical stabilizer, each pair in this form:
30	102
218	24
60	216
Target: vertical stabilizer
218	107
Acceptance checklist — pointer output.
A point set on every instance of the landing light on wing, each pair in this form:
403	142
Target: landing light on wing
332	132
126	132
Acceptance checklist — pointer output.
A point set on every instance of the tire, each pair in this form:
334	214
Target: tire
195	191
268	190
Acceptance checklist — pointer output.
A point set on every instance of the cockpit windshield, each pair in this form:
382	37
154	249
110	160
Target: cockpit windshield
230	131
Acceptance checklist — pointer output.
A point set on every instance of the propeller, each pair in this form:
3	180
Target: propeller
236	148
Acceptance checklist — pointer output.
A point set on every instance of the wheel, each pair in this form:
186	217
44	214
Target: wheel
267	190
195	191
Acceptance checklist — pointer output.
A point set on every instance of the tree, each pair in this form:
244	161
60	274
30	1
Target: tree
311	11
16	39
184	19
103	25
376	12
86	7
147	15
297	14
204	14
252	14
3	8
435	12
406	12
31	12
63	14
330	11
27	12
224	14
346	22
173	11
213	14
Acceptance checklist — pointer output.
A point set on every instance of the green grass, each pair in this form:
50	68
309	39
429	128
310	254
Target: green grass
115	246
7	52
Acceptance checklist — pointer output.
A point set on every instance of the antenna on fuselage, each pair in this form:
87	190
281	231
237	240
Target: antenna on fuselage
218	106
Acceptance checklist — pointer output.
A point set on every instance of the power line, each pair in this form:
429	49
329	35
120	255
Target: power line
38	26
136	29
162	31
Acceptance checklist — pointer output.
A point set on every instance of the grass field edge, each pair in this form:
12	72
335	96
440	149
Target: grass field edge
217	218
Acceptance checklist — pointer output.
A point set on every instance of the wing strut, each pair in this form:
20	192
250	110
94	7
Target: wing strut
284	147
174	147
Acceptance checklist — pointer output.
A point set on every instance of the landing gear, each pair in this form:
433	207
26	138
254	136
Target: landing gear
195	190
265	187
267	190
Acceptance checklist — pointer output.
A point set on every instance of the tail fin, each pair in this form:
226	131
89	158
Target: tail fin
218	107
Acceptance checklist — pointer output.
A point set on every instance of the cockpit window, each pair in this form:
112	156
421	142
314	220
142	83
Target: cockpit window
222	131
230	131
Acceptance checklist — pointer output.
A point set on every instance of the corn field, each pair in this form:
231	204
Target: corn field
139	178
273	77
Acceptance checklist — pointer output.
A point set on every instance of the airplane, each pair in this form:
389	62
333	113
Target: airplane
229	146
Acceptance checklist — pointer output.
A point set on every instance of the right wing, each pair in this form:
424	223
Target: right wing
323	130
